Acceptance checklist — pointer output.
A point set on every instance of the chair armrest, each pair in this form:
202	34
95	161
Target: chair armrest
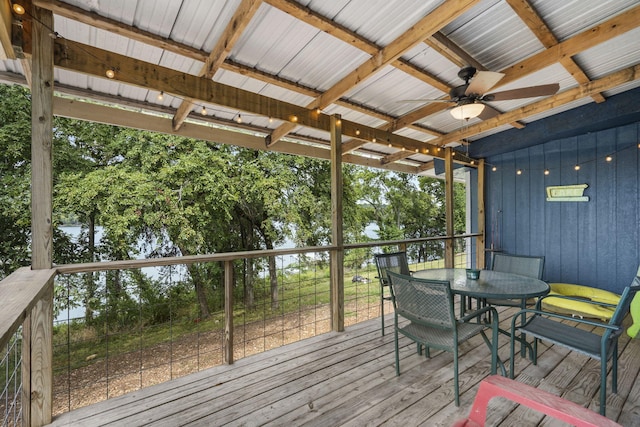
540	400
563	317
568	297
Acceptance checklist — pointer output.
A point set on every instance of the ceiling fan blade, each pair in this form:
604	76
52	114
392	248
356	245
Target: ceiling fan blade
483	81
488	112
525	92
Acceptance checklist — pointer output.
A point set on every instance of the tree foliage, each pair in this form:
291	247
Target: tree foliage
164	195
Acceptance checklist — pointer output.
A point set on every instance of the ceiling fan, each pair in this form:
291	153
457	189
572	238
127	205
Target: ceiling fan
471	97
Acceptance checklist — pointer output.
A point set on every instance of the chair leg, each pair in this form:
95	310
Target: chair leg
614	368
395	332
603	386
456	389
382	309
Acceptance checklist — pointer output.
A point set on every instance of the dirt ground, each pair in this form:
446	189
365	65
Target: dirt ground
107	378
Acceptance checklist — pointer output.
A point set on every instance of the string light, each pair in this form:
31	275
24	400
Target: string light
494	168
239	120
576	167
608	158
519	172
111	73
357	131
18	9
161	96
203	111
270	119
374	140
546	172
294	119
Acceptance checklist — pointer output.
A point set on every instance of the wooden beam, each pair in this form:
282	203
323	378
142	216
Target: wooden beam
427	26
481	218
293	8
611	28
607	30
608	82
41	142
66	107
536	24
6	28
454	53
240	20
90	60
94	20
449	255
337	239
39	336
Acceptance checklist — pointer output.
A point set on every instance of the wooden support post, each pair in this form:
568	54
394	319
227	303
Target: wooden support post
41	141
336	255
37	371
480	241
228	313
449	200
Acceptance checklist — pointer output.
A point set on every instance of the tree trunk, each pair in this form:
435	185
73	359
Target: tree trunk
273	275
249	295
199	284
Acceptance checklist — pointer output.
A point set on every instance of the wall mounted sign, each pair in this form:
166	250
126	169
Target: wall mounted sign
567	193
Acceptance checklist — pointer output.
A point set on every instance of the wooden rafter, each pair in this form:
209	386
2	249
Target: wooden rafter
537	25
587	89
90	60
558	52
427	26
241	18
298	11
591	37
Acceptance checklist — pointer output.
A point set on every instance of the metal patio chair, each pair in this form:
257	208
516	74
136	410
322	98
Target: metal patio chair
530	266
428	305
602	344
396	262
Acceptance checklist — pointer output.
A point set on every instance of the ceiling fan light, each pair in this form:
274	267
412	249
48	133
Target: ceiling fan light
467	111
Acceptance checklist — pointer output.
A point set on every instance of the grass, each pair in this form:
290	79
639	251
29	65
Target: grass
77	345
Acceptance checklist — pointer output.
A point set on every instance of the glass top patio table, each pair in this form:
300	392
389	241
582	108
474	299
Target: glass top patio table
490	284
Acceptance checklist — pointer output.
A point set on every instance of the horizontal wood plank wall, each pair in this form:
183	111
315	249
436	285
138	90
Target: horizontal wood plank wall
594	243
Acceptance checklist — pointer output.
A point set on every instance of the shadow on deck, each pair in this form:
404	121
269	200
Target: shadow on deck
349	379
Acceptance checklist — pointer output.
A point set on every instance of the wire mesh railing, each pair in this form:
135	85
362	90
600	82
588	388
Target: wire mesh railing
122	329
11	381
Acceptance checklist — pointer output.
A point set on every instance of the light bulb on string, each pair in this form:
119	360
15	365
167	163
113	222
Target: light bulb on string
110	73
239	120
576	167
546	172
494	168
519	172
161	96
18	9
608	158
203	111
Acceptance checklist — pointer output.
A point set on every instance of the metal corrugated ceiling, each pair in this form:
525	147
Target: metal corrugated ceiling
285	58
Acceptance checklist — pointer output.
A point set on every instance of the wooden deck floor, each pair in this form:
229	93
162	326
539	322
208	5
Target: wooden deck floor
348	379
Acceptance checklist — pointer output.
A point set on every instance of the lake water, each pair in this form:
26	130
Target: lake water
283	261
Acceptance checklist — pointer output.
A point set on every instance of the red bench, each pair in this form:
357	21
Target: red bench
540	400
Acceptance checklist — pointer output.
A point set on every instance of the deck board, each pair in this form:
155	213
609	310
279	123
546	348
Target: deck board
349	379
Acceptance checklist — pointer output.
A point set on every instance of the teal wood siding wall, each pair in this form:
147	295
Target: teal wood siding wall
594	243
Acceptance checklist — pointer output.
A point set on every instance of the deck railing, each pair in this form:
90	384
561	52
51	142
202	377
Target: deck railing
108	354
